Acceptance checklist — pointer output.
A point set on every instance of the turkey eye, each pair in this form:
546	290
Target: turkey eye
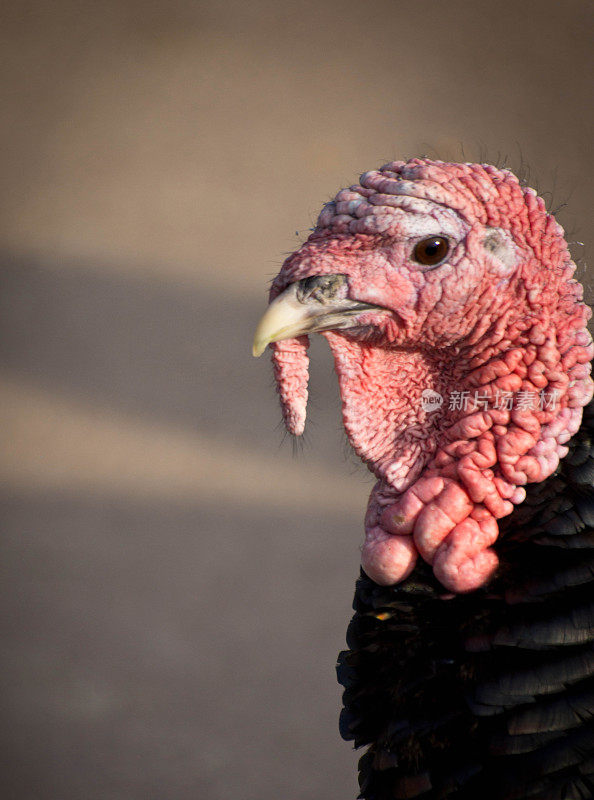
431	251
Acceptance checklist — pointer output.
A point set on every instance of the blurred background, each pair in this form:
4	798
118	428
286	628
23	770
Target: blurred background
176	580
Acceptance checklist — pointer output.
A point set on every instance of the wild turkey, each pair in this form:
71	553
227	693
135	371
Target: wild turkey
447	296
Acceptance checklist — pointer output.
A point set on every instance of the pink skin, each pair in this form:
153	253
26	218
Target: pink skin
501	314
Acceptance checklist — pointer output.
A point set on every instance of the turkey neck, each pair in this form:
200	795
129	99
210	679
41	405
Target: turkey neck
395	404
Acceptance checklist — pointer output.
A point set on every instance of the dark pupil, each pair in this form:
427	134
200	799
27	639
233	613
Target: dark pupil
431	251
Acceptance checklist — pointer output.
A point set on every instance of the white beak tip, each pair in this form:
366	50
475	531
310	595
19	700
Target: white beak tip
258	347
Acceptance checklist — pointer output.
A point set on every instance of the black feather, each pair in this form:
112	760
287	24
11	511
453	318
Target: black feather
488	695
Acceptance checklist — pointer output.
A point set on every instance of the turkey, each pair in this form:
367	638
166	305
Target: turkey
447	296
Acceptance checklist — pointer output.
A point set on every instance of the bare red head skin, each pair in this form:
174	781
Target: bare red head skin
501	315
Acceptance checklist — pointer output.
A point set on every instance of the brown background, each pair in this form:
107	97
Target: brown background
176	583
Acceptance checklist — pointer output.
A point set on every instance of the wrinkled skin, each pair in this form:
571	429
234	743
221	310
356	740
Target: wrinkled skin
501	314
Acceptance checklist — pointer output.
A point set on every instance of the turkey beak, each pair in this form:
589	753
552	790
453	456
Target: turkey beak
319	303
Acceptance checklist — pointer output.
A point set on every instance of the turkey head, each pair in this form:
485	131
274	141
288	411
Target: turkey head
459	337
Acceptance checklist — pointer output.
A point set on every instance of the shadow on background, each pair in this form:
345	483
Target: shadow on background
172	607
176	586
158	650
